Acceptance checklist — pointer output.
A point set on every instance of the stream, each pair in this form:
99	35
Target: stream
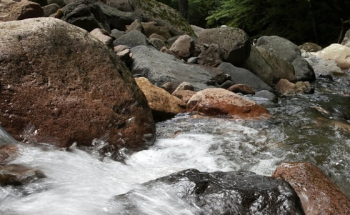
313	127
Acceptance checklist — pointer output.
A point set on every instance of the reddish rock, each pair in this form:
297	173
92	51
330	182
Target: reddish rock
69	87
183	47
8	153
241	88
184	95
163	104
217	101
11	10
286	88
318	195
15	174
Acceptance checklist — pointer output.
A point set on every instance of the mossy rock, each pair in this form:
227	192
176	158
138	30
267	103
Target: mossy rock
152	10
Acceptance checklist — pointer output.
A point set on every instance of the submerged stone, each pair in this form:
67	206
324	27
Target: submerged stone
217	193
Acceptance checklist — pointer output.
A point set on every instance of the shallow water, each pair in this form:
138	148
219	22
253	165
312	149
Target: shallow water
79	182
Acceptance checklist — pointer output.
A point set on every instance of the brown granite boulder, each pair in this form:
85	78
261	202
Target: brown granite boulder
233	43
69	87
12	10
318	195
217	101
15	174
286	88
163	104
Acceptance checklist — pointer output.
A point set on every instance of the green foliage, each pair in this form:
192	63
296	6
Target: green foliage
319	21
298	20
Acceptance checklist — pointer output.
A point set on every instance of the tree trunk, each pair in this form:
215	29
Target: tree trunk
183	8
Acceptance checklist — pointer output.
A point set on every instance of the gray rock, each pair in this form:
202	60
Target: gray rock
132	39
60	3
160	68
86	14
243	76
158	43
303	70
290	52
116	18
233	43
116	33
280	67
324	67
257	64
50	9
217	193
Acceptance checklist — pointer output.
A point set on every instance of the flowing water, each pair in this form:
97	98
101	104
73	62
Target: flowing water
314	128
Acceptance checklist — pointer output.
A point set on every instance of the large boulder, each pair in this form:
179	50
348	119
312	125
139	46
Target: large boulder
12	10
218	101
68	87
257	64
233	43
86	14
160	68
290	52
216	193
337	52
318	195
281	68
152	10
243	76
163	104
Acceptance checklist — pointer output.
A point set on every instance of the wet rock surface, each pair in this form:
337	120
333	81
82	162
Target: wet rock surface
217	193
318	195
243	76
63	86
15	174
163	104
